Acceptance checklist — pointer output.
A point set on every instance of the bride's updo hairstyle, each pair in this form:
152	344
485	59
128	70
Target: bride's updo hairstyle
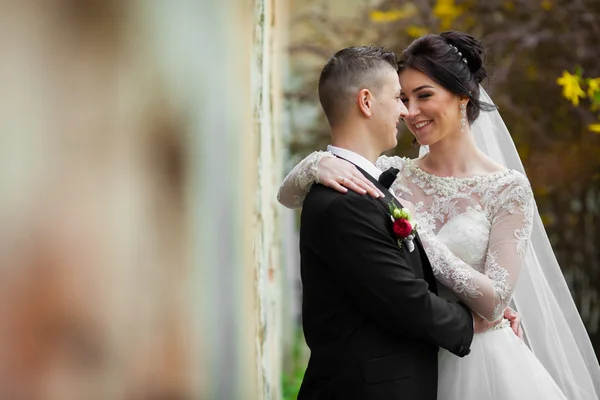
454	60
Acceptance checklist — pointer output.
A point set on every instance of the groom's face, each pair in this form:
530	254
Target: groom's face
387	109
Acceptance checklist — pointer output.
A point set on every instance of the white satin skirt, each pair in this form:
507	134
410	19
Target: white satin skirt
499	367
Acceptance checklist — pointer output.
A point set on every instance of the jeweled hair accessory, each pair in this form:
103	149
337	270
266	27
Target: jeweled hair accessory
457	52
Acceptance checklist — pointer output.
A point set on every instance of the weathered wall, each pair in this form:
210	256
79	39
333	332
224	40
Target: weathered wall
267	79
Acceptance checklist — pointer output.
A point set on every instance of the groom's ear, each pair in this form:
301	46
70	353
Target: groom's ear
365	102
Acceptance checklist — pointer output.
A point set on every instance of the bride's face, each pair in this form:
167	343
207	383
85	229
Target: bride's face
433	111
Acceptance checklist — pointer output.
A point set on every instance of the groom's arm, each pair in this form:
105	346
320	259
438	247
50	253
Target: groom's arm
373	269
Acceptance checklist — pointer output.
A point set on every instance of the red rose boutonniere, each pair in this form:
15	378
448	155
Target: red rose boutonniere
404	229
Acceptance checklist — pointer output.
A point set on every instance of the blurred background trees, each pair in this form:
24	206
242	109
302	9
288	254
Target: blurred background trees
543	60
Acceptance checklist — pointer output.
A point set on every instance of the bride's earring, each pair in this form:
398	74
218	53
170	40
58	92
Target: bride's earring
463	116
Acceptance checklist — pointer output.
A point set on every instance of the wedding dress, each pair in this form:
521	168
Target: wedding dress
479	266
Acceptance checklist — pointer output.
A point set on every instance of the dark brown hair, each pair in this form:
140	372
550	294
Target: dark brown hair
455	60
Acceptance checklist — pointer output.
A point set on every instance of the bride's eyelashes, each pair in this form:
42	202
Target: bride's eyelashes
420	96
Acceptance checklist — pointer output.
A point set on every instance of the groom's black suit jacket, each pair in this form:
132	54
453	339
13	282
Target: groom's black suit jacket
370	314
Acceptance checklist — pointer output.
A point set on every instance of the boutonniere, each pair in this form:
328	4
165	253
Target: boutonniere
404	229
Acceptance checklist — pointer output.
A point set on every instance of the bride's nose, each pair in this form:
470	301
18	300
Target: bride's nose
413	110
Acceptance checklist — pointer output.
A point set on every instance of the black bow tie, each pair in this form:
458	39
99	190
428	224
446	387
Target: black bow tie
388	177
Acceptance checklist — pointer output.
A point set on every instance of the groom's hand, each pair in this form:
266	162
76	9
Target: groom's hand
483	325
515	321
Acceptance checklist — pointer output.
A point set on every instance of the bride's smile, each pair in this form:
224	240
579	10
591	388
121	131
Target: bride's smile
433	111
420	125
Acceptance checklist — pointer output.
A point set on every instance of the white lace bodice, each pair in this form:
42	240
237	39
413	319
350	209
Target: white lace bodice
441	199
467	235
474	230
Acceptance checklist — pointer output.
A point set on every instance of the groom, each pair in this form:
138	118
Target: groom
371	316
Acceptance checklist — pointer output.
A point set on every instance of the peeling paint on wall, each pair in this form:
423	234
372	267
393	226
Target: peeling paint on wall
267	106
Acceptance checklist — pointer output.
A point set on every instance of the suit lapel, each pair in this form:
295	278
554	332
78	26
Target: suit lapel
418	255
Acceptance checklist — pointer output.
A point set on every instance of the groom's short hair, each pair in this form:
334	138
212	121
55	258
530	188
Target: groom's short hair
346	73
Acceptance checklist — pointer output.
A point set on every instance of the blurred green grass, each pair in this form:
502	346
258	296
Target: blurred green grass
295	367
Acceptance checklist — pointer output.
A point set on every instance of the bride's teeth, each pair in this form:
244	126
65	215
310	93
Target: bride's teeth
422	124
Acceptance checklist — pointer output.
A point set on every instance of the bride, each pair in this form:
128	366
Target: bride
480	228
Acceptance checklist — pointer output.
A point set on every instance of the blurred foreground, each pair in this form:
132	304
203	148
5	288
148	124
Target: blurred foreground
113	218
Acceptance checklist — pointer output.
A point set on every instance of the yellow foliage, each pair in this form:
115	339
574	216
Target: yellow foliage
593	86
415	31
446	11
571	89
594	128
409	10
509	5
547	5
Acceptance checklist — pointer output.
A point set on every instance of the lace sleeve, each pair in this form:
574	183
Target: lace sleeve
298	182
488	293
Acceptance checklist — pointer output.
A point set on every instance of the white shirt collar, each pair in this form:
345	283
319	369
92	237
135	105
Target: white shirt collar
356	159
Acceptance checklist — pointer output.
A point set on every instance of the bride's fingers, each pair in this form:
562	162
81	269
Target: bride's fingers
366	184
335	185
341	184
372	190
352	185
361	185
349	179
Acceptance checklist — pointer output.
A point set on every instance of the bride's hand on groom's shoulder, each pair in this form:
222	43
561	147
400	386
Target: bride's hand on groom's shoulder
342	175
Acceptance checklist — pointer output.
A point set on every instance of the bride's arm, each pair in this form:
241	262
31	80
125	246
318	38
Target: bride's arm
489	293
322	167
298	182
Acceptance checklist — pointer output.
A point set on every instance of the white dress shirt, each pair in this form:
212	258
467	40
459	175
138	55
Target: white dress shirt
356	159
